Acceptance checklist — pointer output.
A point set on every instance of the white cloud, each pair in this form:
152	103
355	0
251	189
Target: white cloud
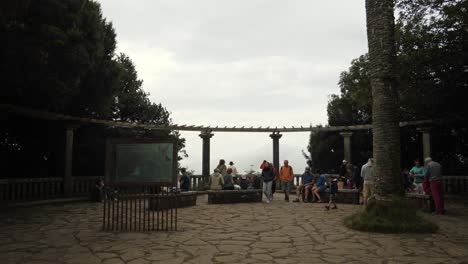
241	63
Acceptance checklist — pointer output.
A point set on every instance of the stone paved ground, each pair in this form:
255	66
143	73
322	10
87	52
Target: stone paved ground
243	233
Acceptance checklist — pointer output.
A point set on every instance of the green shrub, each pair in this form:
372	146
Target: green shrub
398	216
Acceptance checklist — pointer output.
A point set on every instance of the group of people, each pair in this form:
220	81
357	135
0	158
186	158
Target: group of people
310	183
420	179
225	178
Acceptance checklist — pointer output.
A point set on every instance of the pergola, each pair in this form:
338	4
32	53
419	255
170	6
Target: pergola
206	133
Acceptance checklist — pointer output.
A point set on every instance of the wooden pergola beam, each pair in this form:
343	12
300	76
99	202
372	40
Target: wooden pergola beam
33	113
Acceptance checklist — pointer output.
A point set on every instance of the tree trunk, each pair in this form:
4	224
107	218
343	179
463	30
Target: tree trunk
385	116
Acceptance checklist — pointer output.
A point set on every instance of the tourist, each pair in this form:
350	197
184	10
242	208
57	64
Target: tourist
368	177
434	176
244	182
233	168
98	192
228	181
417	173
356	179
262	165
184	181
222	167
333	185
342	173
319	187
304	188
267	175
216	181
273	184
287	177
406	180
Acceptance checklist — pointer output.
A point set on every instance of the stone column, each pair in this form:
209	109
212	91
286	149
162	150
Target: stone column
426	141
347	145
276	136
206	136
68	161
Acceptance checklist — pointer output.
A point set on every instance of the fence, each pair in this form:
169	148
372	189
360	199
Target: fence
140	209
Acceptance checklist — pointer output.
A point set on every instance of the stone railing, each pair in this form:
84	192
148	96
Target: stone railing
456	184
30	189
452	184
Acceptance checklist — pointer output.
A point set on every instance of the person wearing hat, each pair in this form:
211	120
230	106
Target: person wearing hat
216	181
433	175
307	183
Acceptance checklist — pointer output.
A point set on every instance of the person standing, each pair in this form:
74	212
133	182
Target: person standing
417	173
222	167
333	191
368	177
273	184
216	181
233	168
268	176
184	181
434	176
286	177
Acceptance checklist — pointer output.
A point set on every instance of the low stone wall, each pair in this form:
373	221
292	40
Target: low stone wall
234	196
421	201
183	199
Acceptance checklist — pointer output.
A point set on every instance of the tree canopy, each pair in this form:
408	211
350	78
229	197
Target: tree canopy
431	46
60	56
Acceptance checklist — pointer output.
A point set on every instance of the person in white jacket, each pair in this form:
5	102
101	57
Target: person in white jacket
233	168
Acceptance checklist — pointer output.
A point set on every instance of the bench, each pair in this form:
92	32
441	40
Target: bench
346	196
183	199
421	201
234	196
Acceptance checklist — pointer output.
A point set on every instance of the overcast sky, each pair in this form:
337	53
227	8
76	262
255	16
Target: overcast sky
241	63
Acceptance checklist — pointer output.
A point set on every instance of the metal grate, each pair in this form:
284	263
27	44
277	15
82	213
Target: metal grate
140	209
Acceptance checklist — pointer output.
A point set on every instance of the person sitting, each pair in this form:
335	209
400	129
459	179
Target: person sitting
244	182
216	181
304	188
406	179
228	181
319	187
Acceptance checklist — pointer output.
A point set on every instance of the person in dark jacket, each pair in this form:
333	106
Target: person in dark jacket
184	181
333	185
268	175
244	182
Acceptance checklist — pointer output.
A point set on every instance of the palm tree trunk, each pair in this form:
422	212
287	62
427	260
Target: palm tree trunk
385	116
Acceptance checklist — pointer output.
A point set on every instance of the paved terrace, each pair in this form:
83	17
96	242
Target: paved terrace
242	233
